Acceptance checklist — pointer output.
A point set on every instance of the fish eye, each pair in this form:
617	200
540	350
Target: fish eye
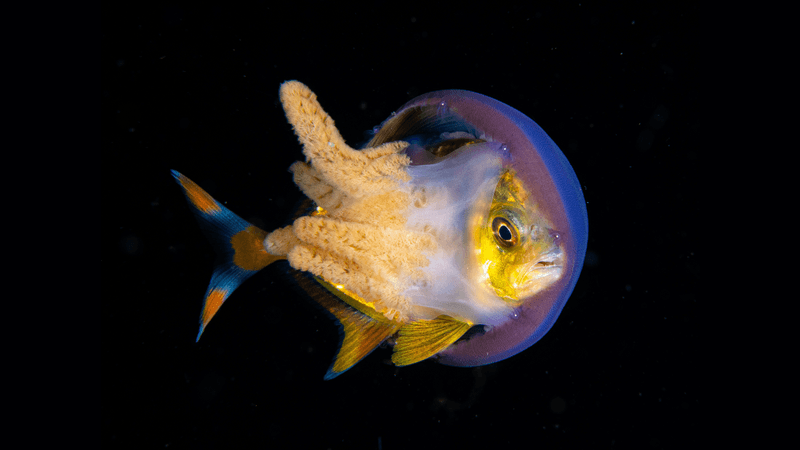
504	232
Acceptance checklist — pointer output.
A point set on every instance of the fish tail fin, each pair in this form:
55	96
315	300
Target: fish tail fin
239	246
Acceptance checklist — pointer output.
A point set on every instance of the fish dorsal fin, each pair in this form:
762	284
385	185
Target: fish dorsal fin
420	340
362	330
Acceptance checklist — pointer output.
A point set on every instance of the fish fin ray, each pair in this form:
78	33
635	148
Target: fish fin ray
360	332
360	336
422	339
238	244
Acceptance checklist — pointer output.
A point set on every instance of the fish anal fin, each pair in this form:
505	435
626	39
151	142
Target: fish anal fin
361	335
422	339
362	330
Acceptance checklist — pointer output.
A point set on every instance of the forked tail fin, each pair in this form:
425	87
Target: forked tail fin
239	245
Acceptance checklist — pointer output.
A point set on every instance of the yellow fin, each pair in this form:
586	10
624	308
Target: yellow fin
362	332
422	339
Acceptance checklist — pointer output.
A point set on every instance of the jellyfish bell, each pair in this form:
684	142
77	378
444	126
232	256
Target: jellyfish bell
546	219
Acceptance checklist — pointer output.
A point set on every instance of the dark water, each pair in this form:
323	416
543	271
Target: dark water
196	90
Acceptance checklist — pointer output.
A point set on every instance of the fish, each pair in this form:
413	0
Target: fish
456	233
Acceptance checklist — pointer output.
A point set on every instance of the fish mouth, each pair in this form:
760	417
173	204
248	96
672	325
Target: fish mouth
539	274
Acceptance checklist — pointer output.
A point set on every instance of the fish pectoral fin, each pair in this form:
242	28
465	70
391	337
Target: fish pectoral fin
420	340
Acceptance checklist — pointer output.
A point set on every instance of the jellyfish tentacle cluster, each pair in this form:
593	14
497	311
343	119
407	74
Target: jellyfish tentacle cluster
357	239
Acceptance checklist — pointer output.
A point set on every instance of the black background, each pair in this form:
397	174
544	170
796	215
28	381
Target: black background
196	89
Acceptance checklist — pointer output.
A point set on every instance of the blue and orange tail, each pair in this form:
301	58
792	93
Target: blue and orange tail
240	247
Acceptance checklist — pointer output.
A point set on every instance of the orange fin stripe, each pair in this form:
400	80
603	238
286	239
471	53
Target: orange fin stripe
248	248
199	198
214	300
